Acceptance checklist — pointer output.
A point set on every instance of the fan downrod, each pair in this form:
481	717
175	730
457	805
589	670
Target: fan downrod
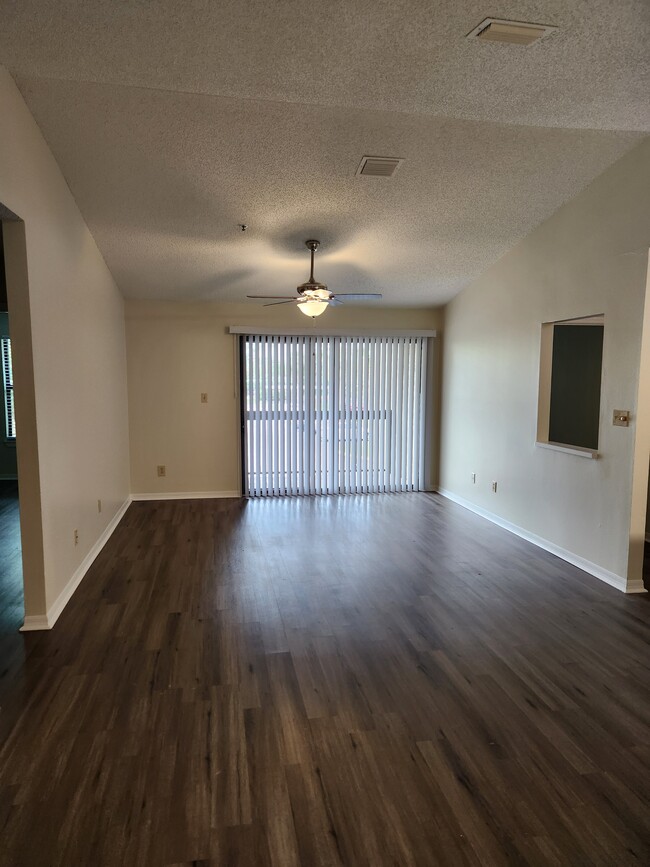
312	284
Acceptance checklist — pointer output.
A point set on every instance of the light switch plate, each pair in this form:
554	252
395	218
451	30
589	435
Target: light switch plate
621	417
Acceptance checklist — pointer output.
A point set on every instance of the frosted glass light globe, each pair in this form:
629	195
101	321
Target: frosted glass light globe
312	308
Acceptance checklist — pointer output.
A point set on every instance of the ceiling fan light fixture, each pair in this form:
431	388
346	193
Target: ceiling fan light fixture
312	307
314	297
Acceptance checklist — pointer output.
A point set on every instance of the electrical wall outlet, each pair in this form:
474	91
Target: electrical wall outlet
204	397
76	537
494	487
99	505
162	470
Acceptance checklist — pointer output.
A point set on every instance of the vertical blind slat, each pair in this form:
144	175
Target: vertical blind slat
403	413
273	370
392	373
423	406
366	416
326	419
410	424
380	413
313	397
373	417
281	415
407	419
368	419
345	370
334	418
273	429
397	480
319	417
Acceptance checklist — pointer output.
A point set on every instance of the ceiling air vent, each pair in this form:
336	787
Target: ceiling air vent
378	167
513	32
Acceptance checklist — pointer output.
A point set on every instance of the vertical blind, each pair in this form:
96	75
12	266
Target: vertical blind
8	384
329	415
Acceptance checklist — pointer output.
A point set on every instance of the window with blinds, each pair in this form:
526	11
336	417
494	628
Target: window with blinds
330	415
8	382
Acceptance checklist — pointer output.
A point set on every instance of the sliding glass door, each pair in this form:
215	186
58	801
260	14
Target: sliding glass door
330	415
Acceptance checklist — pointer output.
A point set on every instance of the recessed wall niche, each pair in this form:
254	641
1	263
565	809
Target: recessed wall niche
571	364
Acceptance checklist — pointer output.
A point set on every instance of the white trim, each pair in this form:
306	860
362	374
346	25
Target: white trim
188	495
569	450
330	332
611	578
46	621
595	319
635	586
35	623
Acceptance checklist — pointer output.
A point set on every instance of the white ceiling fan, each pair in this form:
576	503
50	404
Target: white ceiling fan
313	298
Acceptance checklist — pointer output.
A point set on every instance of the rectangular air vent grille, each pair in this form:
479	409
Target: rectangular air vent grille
512	32
378	167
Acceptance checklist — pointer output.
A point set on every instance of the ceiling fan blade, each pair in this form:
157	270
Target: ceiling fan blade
288	297
273	303
334	302
350	295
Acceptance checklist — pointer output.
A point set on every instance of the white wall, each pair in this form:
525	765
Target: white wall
175	352
590	257
73	429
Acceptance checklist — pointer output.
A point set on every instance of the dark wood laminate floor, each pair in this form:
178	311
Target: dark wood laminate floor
378	680
12	609
11	566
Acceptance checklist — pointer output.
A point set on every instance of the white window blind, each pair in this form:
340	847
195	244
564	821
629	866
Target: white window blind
8	383
327	415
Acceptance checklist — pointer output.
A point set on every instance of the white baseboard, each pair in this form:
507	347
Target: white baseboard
611	578
189	495
37	622
635	586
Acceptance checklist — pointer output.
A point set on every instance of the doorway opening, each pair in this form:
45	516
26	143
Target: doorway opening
11	571
333	415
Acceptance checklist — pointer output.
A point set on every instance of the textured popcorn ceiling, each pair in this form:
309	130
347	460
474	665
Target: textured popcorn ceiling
173	122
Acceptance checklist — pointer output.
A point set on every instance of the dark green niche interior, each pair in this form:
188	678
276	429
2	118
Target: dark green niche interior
575	385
